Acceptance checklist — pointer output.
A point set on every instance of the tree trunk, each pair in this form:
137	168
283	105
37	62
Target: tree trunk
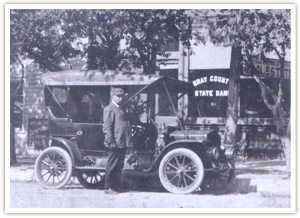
286	142
283	132
233	98
13	158
152	61
282	129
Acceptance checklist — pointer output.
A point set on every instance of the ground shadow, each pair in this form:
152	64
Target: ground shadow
241	186
139	181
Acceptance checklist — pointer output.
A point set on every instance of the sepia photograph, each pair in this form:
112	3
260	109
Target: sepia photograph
150	107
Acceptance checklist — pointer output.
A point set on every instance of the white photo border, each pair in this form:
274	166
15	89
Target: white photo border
152	210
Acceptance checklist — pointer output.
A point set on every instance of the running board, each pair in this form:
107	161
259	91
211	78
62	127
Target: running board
90	168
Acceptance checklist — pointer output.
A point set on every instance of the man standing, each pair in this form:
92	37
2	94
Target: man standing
117	131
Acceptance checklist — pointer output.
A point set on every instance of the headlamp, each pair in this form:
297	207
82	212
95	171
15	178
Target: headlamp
229	152
213	152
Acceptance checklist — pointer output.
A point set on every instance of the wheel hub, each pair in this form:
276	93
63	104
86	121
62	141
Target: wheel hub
53	168
181	171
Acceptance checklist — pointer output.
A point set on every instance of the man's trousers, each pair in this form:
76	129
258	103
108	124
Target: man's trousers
114	167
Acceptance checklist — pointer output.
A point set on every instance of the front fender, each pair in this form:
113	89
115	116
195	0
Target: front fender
70	146
194	145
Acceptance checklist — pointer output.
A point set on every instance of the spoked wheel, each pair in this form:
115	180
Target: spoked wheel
217	179
181	171
91	179
53	168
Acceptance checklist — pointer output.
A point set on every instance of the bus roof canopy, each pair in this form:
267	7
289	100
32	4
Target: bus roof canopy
150	83
96	78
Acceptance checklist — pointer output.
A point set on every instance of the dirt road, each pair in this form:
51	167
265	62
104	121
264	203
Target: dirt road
32	195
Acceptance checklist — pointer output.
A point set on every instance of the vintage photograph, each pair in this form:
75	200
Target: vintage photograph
150	107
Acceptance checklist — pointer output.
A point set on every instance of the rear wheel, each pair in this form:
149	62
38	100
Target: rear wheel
53	168
181	171
91	179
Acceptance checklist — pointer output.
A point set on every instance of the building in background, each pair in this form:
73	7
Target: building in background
208	68
29	109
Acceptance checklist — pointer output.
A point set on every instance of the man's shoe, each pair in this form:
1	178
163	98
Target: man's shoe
110	192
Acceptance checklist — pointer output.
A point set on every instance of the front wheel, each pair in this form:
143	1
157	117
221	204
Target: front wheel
181	171
53	168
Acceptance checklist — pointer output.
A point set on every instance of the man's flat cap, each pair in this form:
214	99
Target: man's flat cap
117	91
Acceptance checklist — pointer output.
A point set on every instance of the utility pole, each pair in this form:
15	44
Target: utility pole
183	74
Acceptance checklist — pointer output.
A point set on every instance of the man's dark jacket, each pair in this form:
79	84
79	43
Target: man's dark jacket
116	127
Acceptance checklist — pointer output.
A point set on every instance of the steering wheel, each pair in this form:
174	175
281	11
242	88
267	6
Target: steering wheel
142	108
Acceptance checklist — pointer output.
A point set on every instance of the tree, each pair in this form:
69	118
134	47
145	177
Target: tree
152	29
36	34
142	32
259	32
104	30
39	35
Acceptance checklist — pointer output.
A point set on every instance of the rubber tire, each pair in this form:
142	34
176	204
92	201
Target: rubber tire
84	183
191	155
69	168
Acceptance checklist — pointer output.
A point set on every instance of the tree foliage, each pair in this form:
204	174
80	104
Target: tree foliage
114	39
150	30
38	35
254	30
104	29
